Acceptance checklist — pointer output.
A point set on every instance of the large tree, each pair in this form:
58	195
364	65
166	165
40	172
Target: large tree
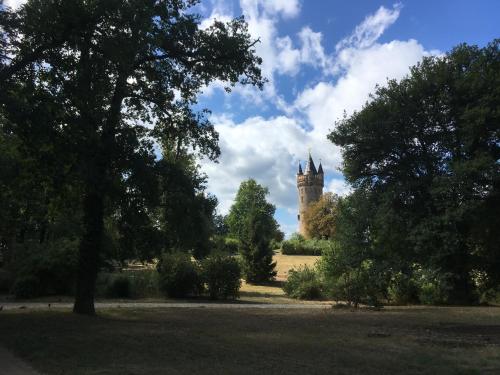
103	70
320	216
426	150
251	221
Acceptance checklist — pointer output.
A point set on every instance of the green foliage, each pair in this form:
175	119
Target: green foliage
348	277
27	286
320	217
118	287
141	283
144	283
300	246
6	280
179	276
423	156
403	289
435	287
304	283
222	276
48	268
79	98
226	245
186	209
275	245
251	221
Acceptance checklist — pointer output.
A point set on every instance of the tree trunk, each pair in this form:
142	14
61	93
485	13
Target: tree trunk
88	260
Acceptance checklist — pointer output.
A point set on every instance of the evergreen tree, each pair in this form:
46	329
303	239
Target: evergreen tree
251	221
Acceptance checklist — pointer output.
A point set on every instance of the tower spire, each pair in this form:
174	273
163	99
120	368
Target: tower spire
310	167
300	169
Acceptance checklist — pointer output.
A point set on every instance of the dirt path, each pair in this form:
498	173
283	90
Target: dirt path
142	305
12	365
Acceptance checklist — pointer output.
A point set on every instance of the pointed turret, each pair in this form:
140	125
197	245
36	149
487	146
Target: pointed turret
300	169
320	168
310	167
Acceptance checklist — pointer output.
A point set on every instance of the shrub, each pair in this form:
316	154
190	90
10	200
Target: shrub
144	283
434	287
5	281
118	287
303	283
257	262
226	245
178	275
222	275
275	245
52	265
350	277
403	289
27	286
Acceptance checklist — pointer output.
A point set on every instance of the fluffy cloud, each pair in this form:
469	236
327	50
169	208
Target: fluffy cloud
268	149
265	149
14	4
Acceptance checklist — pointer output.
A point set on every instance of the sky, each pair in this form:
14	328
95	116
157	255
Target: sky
322	59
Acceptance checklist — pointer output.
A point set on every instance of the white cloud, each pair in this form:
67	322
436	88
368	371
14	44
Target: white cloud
265	149
312	51
268	149
339	187
14	4
326	102
285	8
374	25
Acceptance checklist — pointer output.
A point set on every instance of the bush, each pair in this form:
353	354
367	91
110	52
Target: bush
27	286
303	283
118	287
226	245
350	277
299	246
5	281
222	275
403	289
178	275
144	283
49	268
275	245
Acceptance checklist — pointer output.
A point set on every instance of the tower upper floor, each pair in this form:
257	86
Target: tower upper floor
311	176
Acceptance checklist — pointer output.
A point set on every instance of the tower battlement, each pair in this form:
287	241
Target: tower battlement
307	180
310	185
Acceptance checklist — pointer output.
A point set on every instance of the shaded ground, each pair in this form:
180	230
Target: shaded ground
11	365
412	340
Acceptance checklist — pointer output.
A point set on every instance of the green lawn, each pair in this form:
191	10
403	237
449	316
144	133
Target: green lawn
209	341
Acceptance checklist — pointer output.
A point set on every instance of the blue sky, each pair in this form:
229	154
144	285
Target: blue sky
322	58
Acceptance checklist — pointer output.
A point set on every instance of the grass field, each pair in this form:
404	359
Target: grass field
209	341
286	262
273	292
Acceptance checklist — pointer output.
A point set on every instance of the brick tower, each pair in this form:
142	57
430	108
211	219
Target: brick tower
310	184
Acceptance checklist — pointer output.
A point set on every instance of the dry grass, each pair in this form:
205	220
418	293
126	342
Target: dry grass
209	341
273	292
284	263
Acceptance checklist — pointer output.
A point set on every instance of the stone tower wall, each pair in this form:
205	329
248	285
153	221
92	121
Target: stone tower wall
310	190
